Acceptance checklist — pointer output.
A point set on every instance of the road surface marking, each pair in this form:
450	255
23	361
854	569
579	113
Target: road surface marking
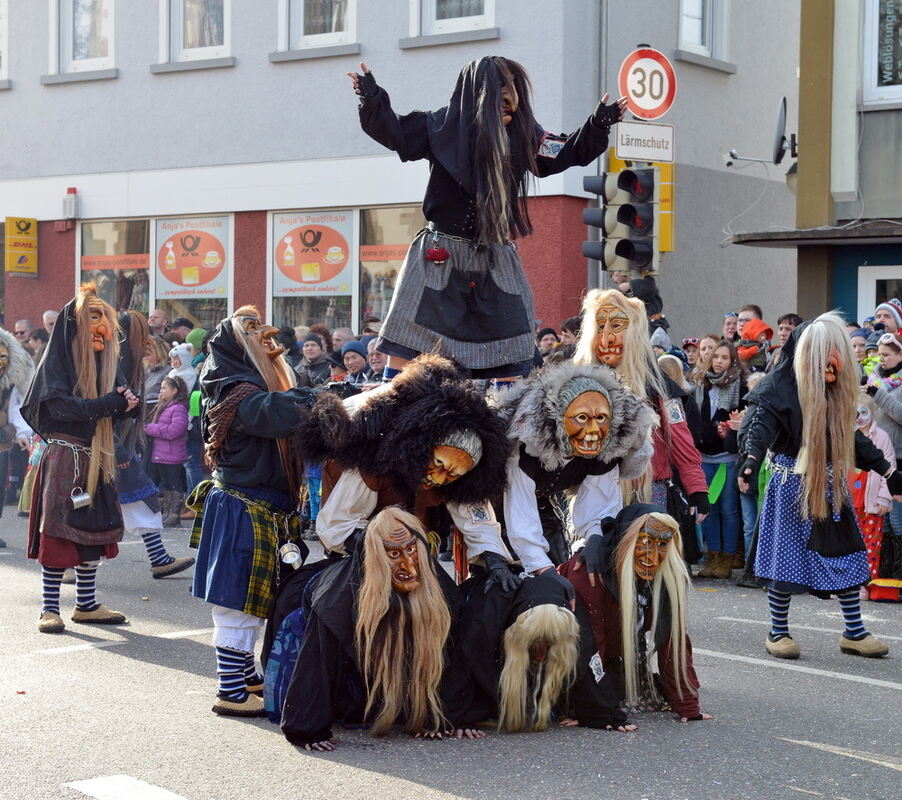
87	646
803	791
184	634
801	627
760	662
881	760
122	787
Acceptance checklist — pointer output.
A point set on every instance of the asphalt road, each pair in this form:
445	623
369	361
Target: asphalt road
124	713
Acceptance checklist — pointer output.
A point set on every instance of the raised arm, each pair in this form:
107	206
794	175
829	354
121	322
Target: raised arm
406	135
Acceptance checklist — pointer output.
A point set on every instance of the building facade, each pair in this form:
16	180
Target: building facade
198	155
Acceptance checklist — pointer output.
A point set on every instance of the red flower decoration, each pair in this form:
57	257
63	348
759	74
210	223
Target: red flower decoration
437	254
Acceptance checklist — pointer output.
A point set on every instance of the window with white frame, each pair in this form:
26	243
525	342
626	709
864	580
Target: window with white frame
84	35
882	51
451	16
314	23
4	39
197	29
704	27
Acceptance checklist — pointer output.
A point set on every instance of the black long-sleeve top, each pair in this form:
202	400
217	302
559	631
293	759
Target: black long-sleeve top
448	204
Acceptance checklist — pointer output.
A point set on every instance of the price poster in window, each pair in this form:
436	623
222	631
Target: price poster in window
192	258
312	253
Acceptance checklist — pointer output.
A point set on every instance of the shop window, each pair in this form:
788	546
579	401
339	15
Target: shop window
385	235
196	29
116	257
192	269
83	35
313	267
882	51
313	23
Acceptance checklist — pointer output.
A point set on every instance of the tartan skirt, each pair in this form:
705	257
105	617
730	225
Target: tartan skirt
475	307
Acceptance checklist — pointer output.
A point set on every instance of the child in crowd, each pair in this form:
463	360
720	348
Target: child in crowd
754	346
168	430
870	496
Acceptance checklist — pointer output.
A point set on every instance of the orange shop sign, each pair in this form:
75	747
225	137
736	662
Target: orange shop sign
21	245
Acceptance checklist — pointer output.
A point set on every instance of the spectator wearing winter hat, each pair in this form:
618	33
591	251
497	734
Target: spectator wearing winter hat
315	363
180	357
754	344
546	340
660	342
337	369
859	340
353	354
181	328
889	314
872	359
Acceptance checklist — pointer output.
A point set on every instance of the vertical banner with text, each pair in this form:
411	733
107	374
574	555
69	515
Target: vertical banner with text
21	246
312	253
193	258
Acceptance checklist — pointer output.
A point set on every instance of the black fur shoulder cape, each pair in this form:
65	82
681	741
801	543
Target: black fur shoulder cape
393	433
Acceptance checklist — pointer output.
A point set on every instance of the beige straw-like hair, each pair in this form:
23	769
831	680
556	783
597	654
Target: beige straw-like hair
673	576
526	697
96	377
400	639
828	414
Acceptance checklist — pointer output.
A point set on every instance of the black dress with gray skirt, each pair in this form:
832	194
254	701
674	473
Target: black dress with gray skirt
468	301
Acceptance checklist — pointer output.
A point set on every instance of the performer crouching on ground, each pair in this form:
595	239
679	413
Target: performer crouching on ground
804	413
376	645
249	509
642	589
462	288
575	430
75	519
426	441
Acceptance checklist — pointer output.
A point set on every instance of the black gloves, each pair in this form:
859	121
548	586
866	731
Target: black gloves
569	591
894	483
499	572
699	501
872	390
367	86
605	115
748	471
591	554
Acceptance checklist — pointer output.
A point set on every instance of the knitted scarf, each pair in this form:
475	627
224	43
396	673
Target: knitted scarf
729	383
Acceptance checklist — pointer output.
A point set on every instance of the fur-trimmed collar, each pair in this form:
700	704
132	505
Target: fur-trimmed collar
534	416
21	367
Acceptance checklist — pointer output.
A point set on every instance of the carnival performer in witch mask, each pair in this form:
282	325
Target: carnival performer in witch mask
75	517
643	590
376	648
614	332
804	414
462	290
576	431
250	508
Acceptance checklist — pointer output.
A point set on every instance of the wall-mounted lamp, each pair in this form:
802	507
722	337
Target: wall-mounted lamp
70	203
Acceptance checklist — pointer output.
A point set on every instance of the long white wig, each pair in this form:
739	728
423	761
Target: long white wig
673	576
528	692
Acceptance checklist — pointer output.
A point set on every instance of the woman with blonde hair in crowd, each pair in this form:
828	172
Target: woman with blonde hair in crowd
156	366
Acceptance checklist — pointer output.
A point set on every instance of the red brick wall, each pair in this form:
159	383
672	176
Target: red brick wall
250	259
553	257
28	298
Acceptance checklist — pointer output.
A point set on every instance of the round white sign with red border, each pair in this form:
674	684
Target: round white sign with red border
648	81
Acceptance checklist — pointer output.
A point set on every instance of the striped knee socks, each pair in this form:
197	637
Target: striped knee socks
251	676
156	551
85	588
50	595
230	668
850	603
779	613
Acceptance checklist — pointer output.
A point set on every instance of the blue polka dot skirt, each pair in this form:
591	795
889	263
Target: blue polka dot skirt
783	558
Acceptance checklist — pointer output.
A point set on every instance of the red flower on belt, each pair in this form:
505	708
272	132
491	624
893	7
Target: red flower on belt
437	254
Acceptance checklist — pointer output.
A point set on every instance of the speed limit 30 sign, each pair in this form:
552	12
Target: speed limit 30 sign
649	83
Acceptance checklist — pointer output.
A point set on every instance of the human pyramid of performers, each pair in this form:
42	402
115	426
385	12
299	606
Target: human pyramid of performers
567	602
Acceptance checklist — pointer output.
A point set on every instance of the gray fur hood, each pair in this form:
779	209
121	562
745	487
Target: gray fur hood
21	366
532	410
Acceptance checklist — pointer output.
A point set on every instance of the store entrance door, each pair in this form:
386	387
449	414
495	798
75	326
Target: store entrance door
877	285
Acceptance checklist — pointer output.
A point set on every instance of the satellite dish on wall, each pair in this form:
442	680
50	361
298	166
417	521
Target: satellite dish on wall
780	132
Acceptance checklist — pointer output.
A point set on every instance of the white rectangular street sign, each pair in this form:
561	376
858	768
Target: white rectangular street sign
644	141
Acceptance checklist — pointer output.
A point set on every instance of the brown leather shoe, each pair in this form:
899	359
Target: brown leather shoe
782	648
251	707
869	647
723	566
51	622
179	565
709	564
99	616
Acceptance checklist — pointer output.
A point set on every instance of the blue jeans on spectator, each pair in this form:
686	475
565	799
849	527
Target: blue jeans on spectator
194	466
749	505
314	477
895	518
721	526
